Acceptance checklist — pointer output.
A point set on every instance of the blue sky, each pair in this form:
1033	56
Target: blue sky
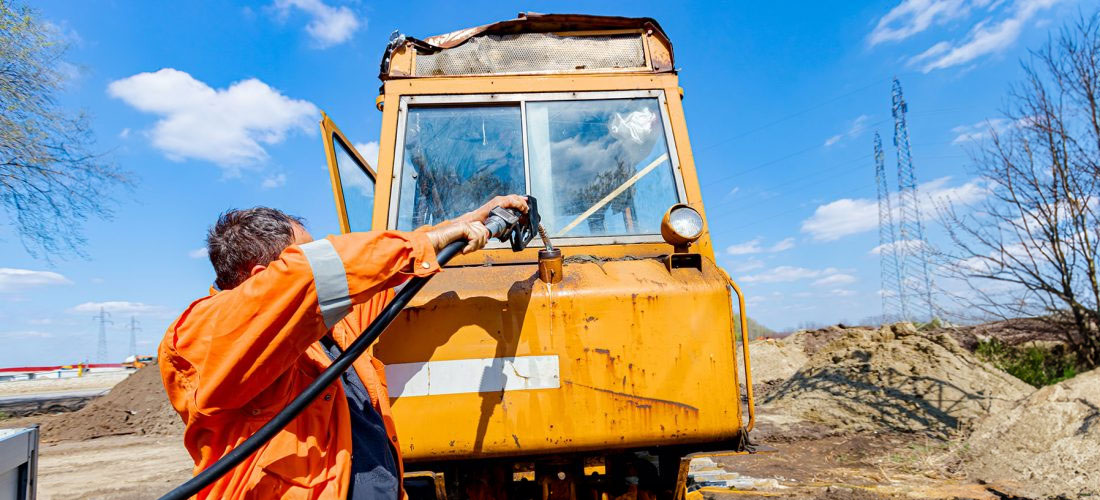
214	105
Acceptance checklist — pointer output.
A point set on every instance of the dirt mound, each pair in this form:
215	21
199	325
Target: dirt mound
1011	332
1049	442
774	359
896	379
779	358
813	341
137	405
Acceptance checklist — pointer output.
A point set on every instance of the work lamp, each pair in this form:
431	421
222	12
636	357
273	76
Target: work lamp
681	226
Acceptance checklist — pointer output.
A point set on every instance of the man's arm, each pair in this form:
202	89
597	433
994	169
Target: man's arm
362	314
239	341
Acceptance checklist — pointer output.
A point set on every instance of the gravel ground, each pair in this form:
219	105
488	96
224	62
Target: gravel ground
93	380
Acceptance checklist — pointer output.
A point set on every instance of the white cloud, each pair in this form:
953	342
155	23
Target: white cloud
985	129
274	181
118	306
328	25
847	216
753	246
25	334
369	151
842	217
985	37
914	16
748	265
901	245
854	130
785	274
835	279
64	32
746	248
199	253
13	280
785	244
840	292
228	127
124	133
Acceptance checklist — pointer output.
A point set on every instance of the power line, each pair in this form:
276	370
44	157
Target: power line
856	164
796	114
821	145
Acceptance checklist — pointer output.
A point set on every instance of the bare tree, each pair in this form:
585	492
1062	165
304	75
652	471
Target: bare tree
50	179
1031	247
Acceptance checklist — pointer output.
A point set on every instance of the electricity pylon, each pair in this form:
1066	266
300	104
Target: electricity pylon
104	318
912	248
893	307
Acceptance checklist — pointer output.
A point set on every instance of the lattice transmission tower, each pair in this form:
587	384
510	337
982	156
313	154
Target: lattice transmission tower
893	307
104	318
911	247
134	328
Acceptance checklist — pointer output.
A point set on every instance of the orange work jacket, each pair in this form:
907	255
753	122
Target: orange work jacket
233	359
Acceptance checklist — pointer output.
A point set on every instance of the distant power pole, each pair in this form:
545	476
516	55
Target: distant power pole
104	318
134	328
912	248
893	307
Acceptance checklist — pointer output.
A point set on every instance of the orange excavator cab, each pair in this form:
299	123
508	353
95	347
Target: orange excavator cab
626	360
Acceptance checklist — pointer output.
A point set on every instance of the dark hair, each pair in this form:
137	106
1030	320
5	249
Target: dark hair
242	239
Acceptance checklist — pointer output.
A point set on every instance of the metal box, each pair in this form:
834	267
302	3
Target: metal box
18	463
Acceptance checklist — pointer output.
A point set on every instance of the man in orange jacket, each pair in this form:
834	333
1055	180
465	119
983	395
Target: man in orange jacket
282	308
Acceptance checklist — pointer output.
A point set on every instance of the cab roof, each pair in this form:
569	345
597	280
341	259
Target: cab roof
557	24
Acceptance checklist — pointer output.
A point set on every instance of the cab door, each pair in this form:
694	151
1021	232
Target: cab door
353	179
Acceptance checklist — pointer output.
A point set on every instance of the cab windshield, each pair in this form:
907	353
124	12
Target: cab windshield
599	167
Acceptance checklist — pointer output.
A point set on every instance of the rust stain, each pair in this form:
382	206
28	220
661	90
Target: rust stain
516	439
603	351
638	401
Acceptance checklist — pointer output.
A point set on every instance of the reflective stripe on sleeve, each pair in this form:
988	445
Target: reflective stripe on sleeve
330	280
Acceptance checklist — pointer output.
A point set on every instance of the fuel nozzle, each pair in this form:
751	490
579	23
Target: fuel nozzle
512	226
518	228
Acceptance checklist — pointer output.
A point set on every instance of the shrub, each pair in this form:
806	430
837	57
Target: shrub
1036	365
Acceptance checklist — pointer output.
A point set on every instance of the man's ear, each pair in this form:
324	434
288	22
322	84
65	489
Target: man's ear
255	269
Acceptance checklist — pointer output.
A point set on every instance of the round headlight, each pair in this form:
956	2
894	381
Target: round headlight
681	225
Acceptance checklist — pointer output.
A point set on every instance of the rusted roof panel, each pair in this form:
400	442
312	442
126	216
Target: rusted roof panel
524	23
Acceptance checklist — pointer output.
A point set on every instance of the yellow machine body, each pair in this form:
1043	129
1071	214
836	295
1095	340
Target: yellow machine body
626	352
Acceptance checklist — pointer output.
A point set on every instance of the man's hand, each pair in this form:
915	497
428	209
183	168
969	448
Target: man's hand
474	232
508	201
471	226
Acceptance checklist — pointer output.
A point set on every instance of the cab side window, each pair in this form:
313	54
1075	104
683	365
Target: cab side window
356	184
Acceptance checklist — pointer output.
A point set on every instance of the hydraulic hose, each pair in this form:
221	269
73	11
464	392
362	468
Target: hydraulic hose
230	460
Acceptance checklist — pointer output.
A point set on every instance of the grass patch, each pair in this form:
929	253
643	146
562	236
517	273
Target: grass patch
1038	366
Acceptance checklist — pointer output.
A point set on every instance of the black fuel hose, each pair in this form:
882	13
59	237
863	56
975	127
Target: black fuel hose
230	460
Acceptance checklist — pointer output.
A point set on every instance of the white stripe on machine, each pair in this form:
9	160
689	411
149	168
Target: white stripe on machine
460	376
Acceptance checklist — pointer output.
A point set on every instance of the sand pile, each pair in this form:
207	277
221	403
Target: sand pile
895	378
777	359
774	359
137	405
1049	443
